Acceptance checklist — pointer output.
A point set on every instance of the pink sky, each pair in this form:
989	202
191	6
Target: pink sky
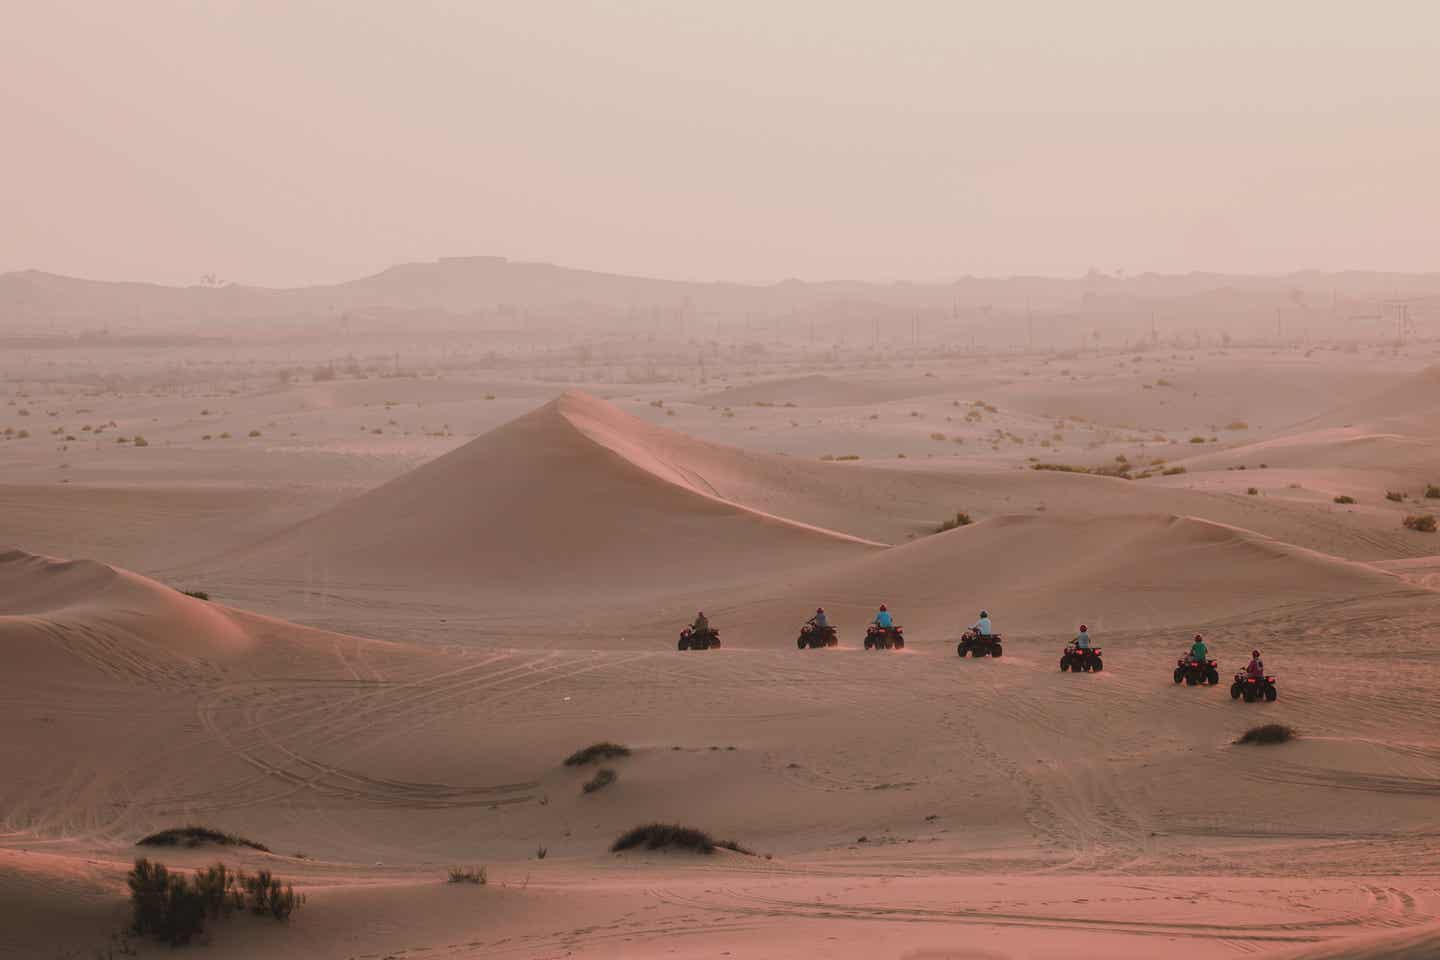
300	142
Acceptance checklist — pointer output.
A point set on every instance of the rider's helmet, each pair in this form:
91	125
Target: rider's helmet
1197	637
1082	628
819	609
700	613
882	606
984	614
1255	654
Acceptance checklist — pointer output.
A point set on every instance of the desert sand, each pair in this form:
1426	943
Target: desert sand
427	589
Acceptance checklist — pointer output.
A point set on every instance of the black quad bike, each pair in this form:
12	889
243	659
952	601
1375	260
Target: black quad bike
1253	688
1081	659
813	637
884	638
979	645
1191	672
704	640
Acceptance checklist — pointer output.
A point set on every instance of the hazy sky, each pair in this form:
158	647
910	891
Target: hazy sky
297	142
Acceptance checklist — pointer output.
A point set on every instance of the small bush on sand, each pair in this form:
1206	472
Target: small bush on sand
1172	471
1395	496
1237	425
1344	499
666	836
194	836
475	875
264	894
961	519
254	433
1252	492
1432	492
1268	733
541	852
173	908
1424	523
596	751
602	779
197	594
140	441
1197	440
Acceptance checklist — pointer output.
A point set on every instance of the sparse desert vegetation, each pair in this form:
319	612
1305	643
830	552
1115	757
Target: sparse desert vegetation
174	909
1344	499
961	519
196	836
602	779
475	875
604	750
1268	733
1423	523
671	836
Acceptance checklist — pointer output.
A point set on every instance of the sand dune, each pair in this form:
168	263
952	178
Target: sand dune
574	494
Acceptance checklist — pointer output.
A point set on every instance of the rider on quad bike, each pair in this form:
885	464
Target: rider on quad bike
882	633
1080	656
817	632
1254	684
980	639
1196	667
699	635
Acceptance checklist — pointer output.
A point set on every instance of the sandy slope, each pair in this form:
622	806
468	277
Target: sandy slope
1007	810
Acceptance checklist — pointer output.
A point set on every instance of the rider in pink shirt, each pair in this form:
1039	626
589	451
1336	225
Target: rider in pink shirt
1256	668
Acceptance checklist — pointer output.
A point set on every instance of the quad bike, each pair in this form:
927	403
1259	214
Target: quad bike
690	640
1078	659
884	638
1190	671
1253	688
812	636
979	645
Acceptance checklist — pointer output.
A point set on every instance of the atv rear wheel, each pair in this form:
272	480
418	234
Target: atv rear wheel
1214	677
899	643
1249	694
997	650
715	643
1191	680
1270	694
1099	665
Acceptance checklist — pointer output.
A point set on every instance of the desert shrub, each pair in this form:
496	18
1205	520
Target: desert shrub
1432	492
162	905
541	852
1343	498
198	595
938	437
664	836
225	435
603	750
1121	470
1252	491
1268	733
254	433
1197	440
961	519
140	441
475	875
322	373
1237	425
602	779
194	836
1172	471
264	894
1424	522
1162	382
1396	496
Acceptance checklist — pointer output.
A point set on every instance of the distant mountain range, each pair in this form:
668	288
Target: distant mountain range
458	287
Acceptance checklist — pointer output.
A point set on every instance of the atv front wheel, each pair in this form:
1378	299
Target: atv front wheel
869	643
802	643
1234	691
1064	665
1179	676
